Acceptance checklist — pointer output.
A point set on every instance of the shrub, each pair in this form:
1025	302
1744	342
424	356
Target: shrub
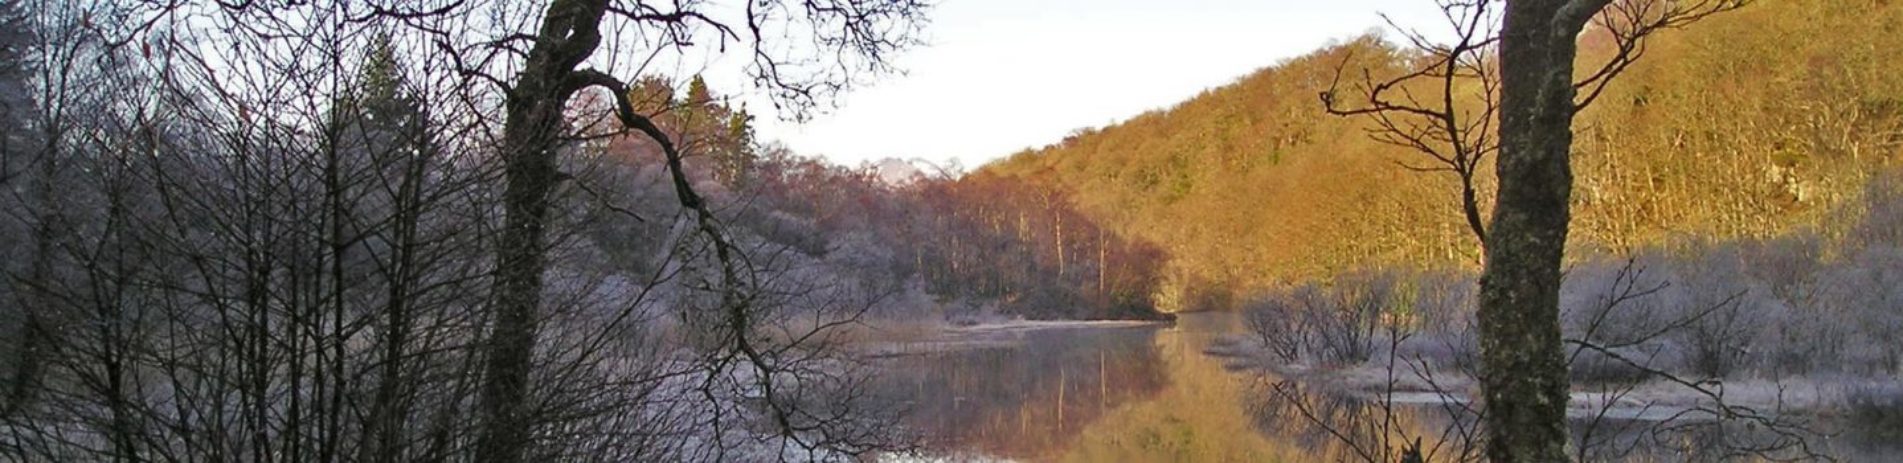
1721	311
1876	408
1277	326
1338	323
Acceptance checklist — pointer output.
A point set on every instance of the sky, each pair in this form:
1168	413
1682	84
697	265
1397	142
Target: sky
998	76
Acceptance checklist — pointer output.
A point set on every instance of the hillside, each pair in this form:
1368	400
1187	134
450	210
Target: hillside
1716	134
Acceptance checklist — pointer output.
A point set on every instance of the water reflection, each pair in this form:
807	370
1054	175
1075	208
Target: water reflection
1152	394
1092	394
1352	428
1197	417
1031	396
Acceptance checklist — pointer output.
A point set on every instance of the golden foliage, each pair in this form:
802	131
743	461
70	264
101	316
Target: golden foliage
1751	124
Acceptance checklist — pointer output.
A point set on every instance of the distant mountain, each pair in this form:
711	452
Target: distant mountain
895	171
1750	124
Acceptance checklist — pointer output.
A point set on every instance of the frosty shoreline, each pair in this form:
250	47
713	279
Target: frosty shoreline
945	338
1650	401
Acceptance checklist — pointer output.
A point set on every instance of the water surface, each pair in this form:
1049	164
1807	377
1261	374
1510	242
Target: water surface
1150	393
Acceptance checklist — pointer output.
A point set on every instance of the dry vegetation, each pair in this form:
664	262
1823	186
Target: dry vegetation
1792	334
1753	124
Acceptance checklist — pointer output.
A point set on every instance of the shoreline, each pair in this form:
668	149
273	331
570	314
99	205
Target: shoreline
1652	400
887	341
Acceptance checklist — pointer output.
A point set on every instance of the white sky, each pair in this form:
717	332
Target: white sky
1002	75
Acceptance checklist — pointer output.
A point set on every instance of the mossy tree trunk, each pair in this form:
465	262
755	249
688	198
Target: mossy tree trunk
1523	372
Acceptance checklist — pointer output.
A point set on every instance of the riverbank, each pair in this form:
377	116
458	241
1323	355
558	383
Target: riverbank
884	339
1194	391
1424	383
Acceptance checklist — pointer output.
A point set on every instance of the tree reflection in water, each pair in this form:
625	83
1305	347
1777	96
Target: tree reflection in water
1347	427
1152	394
1031	397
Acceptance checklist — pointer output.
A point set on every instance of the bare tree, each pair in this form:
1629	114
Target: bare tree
1432	109
1629	333
268	250
569	34
1531	107
1524	376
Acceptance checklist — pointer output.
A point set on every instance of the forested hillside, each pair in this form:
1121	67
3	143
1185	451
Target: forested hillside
508	231
1755	123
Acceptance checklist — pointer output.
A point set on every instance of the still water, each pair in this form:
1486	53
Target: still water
1095	394
1150	393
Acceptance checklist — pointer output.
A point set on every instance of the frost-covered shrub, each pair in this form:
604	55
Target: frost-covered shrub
1339	323
1865	301
1444	321
1721	310
1277	325
1876	407
1613	312
1609	302
1347	316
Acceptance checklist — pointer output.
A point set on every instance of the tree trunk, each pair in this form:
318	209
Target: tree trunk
529	174
1470	207
520	259
1059	219
1523	372
531	132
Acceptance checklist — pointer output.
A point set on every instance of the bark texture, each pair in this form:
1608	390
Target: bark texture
531	134
1523	372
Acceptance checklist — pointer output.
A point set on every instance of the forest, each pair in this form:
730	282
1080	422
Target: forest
268	232
1746	125
1732	240
499	231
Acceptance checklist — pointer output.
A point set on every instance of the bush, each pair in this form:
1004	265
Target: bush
1277	326
1876	408
1867	296
1722	310
1338	323
1347	316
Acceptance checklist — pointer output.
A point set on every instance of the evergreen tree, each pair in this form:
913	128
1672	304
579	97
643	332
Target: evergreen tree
735	154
